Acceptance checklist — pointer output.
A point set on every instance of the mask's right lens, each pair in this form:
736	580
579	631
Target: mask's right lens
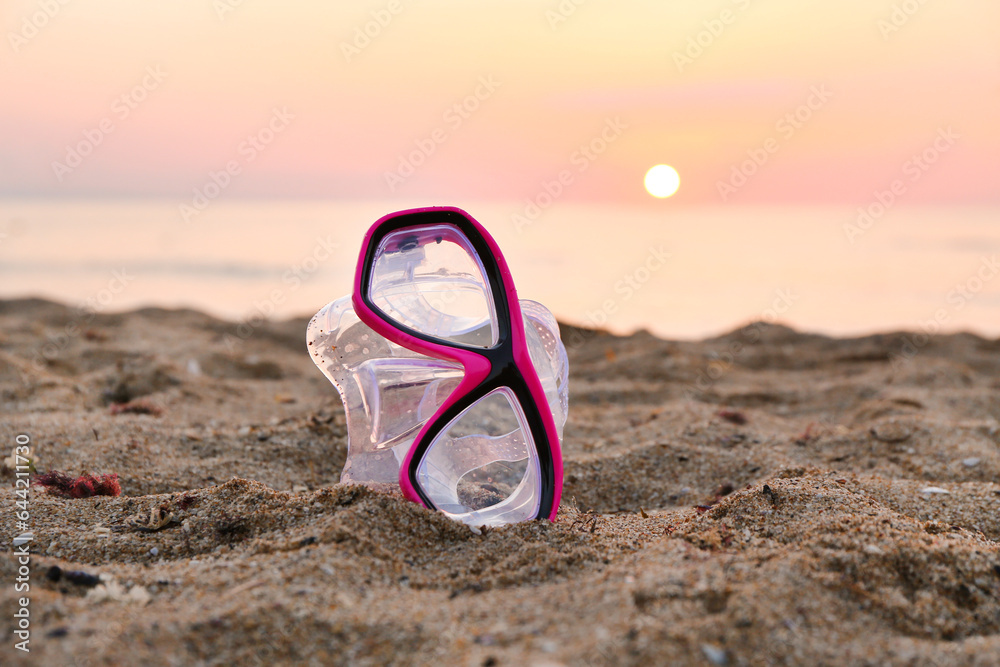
431	280
482	468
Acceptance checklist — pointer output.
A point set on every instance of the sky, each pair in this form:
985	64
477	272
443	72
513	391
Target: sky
752	101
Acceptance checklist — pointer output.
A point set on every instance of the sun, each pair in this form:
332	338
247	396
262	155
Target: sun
662	181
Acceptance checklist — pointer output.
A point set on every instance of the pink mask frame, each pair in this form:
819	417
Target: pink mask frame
505	364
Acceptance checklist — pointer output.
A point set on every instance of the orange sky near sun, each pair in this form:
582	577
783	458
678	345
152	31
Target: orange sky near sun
554	83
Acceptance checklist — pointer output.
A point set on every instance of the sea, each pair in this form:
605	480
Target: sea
681	272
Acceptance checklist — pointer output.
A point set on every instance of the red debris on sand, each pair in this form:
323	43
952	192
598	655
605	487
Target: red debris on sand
84	486
806	436
95	334
137	407
187	501
733	416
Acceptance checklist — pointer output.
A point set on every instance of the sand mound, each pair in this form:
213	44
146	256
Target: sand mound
764	497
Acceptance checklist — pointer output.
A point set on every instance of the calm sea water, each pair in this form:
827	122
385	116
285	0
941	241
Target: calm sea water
680	272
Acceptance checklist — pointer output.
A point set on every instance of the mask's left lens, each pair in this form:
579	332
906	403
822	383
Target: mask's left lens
482	468
431	280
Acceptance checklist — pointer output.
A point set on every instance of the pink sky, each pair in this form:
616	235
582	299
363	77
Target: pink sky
553	86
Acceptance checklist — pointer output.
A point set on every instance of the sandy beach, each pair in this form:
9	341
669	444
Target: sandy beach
767	497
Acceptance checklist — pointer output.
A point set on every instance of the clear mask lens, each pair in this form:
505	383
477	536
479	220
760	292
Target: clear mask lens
482	468
432	281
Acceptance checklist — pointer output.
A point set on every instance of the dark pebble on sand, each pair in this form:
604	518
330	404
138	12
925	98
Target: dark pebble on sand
81	578
54	573
771	495
733	416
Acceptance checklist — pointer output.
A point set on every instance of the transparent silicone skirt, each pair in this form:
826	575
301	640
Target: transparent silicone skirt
481	470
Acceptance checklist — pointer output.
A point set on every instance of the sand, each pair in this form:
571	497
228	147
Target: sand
766	497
